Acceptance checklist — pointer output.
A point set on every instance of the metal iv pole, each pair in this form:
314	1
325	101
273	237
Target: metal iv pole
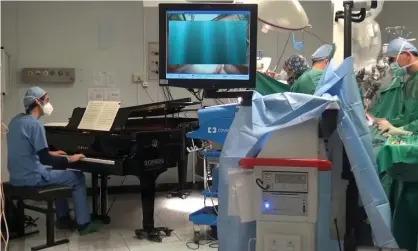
358	231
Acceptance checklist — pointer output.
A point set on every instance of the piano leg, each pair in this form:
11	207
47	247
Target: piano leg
103	199
148	183
181	192
149	231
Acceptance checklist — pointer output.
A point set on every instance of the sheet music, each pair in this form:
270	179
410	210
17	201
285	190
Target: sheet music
99	115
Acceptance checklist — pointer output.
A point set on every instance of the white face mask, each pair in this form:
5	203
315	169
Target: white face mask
399	54
47	109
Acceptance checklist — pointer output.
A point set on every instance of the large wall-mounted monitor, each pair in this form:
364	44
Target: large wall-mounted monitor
208	46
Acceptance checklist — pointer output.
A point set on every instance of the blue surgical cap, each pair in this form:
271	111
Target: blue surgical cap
399	45
31	95
322	52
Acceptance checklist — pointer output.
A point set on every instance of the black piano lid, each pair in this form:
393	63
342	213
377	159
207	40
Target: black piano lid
146	110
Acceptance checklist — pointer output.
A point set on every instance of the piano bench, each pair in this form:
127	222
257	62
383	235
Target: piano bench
48	194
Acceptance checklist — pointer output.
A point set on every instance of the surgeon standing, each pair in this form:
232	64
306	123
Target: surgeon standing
293	68
389	104
309	80
403	57
403	194
28	156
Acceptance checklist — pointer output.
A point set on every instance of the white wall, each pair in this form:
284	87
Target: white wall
66	34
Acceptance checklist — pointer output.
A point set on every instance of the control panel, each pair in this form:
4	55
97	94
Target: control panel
285	193
48	75
285	181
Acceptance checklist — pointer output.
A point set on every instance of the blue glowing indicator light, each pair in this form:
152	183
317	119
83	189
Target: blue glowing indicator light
266	205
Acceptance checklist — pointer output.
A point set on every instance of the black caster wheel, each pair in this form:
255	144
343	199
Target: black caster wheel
140	234
169	196
105	219
196	237
168	232
155	238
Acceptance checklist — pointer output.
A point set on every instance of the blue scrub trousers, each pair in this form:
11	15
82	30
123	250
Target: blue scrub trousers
77	182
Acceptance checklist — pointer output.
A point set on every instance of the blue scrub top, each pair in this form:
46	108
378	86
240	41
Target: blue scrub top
25	138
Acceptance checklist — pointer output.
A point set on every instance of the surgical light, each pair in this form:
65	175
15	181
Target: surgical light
280	15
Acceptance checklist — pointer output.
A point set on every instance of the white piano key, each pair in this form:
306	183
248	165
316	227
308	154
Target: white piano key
58	124
98	161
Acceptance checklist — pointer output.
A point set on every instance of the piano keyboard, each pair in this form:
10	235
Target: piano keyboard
98	161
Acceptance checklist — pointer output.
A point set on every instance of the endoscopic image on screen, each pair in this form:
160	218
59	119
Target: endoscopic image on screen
211	45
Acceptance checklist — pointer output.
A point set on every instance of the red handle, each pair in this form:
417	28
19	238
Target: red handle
321	165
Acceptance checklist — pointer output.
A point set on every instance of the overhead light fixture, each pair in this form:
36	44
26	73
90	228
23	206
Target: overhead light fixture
280	15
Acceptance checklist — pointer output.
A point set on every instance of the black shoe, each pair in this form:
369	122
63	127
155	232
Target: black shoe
66	223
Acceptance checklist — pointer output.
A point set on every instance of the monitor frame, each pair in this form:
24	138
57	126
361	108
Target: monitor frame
207	83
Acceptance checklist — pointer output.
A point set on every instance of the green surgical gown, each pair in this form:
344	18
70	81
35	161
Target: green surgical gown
398	169
390	103
266	85
307	82
410	114
398	165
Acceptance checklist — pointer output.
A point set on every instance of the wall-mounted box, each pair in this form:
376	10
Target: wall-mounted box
48	75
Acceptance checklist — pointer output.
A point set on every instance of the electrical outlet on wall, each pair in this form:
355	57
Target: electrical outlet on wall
137	78
48	75
145	84
153	60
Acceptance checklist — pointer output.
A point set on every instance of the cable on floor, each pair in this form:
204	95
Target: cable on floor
210	243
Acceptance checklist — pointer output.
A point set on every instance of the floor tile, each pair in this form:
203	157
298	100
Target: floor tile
126	216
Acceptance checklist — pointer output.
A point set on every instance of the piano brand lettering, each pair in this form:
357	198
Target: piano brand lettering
152	162
216	130
82	147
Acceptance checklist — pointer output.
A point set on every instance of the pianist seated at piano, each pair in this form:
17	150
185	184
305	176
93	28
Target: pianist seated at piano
29	156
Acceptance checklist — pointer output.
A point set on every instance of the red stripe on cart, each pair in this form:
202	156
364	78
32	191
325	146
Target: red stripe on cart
321	165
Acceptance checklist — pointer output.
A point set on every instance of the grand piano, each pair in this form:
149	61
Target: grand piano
143	141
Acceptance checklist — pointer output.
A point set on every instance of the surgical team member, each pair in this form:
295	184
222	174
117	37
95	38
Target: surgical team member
389	104
28	155
293	68
309	80
403	57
